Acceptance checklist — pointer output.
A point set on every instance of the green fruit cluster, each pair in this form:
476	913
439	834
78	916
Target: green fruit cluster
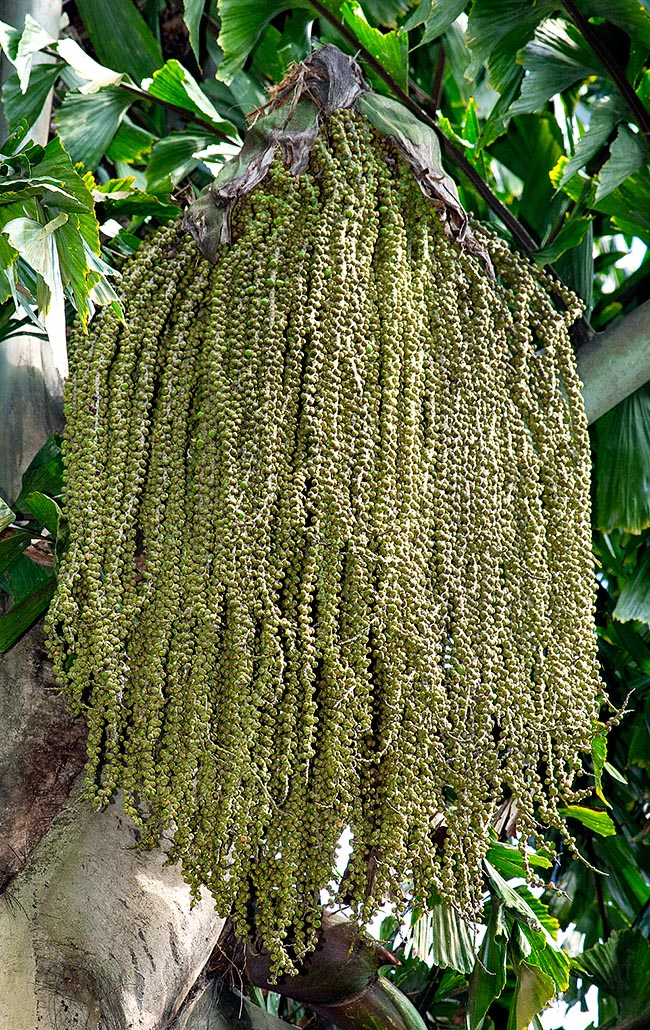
330	548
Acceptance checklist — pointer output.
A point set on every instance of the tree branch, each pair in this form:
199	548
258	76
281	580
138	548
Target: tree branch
436	90
641	115
615	363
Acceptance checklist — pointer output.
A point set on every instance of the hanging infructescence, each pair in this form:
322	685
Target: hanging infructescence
328	502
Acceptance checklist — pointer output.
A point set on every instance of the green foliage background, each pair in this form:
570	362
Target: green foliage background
543	111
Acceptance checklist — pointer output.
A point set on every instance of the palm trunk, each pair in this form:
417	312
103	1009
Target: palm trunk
615	363
97	933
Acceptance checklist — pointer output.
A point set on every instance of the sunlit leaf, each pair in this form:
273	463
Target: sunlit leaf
9	40
448	130
46	510
56	164
44	474
598	759
25	287
570	235
597	821
575	267
7	516
276	51
548	956
89	231
76	273
115	189
36	245
513	903
8	257
15	138
540	947
533	990
604	116
119	197
20	47
623	466
554	59
173	157
489	975
615	773
509	862
389	48
130	143
95	74
493	21
436	16
546	919
102	292
47	190
120	36
471	122
241	27
87	124
174	84
627	153
452	941
28	105
141	205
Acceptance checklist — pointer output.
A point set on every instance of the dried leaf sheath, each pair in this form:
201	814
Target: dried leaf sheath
330	551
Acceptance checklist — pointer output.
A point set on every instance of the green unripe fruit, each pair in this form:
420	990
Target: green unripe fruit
329	558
